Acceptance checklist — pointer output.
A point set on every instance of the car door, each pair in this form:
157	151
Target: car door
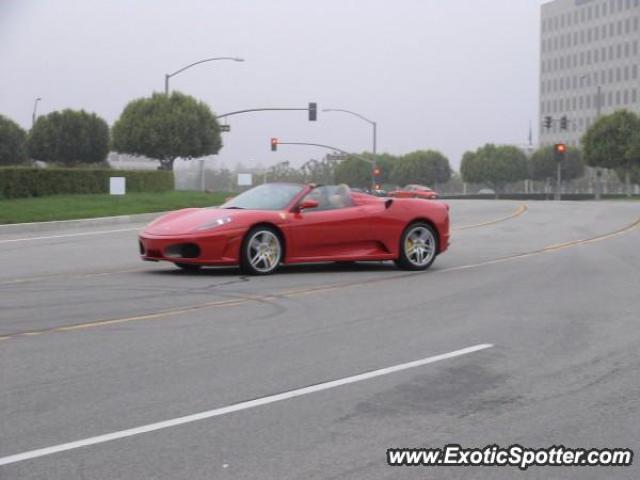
330	231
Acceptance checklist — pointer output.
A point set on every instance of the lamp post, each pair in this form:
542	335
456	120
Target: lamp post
375	135
167	76
35	108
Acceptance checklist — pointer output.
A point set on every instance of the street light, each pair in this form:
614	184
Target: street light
167	76
375	134
33	115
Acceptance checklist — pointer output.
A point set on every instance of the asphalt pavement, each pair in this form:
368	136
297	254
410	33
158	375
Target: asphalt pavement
111	368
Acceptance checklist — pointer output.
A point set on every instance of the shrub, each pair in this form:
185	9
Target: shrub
18	182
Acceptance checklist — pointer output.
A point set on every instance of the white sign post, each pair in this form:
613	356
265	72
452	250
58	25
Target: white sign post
245	180
117	185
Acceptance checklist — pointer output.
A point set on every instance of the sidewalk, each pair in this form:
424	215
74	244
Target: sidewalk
39	227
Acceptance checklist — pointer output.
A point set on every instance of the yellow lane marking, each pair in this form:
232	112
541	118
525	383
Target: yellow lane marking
519	211
321	288
550	248
178	311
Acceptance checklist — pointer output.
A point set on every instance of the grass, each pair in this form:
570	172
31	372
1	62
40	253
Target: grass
68	207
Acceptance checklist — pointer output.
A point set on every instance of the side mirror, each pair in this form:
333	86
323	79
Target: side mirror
308	203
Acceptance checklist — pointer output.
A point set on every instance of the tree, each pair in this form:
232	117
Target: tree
322	172
611	143
166	127
13	146
69	137
426	167
494	166
354	171
543	165
633	154
284	172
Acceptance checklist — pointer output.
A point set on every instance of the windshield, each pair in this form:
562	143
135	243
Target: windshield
270	196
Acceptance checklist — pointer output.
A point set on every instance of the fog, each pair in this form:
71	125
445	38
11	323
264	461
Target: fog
442	74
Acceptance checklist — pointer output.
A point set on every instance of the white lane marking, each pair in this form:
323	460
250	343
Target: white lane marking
19	457
67	235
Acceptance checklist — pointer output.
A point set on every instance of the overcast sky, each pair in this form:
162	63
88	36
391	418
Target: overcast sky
442	74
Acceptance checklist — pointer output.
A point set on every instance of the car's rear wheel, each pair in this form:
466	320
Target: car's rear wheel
261	251
189	267
418	247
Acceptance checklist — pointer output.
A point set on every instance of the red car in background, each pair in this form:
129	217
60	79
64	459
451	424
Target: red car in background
287	223
415	191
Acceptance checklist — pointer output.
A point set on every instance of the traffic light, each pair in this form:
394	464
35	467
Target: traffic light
274	144
377	172
559	151
548	121
313	111
564	123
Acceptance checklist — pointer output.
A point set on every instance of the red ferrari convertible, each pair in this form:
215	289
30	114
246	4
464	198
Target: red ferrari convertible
415	191
279	223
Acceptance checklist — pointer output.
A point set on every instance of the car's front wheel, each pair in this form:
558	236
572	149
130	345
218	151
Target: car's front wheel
418	247
261	251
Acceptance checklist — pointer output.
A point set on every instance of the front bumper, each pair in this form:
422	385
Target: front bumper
221	248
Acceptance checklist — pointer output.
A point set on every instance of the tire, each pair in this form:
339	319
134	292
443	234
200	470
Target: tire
261	251
189	267
418	247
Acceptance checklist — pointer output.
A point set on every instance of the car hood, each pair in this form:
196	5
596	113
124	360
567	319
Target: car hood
187	221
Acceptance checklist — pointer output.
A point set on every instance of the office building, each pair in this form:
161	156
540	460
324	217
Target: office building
589	62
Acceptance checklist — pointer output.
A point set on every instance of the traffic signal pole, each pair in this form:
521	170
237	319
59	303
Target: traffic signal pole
559	153
374	180
559	182
320	145
312	107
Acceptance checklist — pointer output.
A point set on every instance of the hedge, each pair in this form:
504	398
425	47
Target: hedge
20	182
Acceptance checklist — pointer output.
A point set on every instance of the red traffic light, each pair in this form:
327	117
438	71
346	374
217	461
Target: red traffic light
559	151
377	172
560	147
274	144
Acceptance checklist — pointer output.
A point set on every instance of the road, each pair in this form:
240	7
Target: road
95	342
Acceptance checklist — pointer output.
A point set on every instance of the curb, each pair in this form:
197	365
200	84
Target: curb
36	227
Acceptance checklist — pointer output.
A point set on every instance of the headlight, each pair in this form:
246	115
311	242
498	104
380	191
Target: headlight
218	222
